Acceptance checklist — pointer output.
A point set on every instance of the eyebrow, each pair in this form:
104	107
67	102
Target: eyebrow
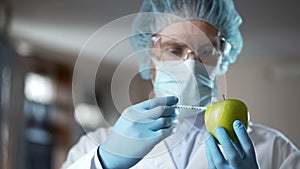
172	43
177	43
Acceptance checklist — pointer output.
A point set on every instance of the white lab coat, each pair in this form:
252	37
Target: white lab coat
273	150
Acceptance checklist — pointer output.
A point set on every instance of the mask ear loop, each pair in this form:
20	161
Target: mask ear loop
224	48
155	38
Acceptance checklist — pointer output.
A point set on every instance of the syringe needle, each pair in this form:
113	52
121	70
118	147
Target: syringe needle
190	107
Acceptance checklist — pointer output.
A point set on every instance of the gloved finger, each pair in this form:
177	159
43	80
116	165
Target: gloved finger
162	123
239	149
229	149
142	116
243	138
210	159
217	156
162	101
165	132
160	111
169	111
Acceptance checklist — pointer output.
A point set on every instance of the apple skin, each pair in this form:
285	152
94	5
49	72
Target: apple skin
223	114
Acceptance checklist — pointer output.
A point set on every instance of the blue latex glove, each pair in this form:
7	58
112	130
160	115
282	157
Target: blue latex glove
239	156
137	131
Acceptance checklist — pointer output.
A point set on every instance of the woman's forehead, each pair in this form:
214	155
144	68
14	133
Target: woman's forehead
192	32
190	28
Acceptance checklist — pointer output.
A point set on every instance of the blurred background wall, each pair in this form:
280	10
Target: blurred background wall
39	119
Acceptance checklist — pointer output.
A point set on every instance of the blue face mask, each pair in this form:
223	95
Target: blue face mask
189	80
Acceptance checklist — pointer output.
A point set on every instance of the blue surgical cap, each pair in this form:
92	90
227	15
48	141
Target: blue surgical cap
155	15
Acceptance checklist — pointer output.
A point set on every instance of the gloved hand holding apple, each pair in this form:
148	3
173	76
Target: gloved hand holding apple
223	114
228	120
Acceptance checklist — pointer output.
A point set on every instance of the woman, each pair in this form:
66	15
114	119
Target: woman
188	44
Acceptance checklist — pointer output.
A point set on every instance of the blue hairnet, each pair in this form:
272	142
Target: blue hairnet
161	13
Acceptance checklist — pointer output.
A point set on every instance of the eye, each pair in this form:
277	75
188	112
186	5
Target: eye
176	51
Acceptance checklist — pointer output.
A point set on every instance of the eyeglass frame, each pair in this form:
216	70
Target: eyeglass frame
223	47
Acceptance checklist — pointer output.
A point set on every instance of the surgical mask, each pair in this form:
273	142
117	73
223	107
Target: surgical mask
189	80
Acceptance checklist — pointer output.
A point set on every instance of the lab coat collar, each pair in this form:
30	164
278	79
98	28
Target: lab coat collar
160	156
163	148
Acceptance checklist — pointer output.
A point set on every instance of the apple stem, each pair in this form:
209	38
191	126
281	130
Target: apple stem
224	96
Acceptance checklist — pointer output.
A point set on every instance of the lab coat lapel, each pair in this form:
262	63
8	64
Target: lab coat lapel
159	157
199	160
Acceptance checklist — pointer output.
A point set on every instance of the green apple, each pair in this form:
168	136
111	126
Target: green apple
223	114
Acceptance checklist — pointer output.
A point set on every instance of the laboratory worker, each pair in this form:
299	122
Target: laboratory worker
186	44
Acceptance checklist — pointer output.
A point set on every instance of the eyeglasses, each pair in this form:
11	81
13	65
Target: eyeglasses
206	50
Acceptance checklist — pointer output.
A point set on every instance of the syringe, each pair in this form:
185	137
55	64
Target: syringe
190	107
